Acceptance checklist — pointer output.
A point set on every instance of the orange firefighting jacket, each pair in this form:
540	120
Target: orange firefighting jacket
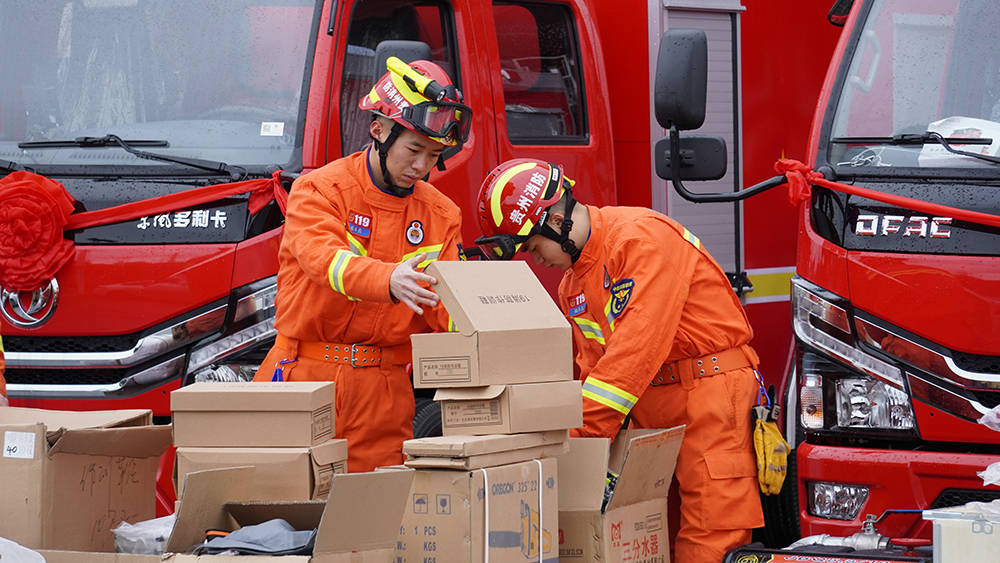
343	237
644	292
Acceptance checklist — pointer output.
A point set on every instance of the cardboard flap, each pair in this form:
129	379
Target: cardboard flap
252	396
494	295
465	446
76	420
469	393
329	452
203	504
648	467
582	471
302	515
136	441
363	511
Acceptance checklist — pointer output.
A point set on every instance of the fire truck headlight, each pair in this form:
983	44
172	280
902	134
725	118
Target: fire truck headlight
836	501
864	402
811	401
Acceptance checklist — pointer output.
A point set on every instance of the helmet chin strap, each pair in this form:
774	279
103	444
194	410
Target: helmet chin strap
383	152
562	237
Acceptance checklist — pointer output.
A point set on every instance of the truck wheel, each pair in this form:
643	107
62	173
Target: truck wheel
426	418
781	512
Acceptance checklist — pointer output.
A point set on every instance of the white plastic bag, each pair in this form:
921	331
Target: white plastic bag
13	552
146	537
991	475
991	419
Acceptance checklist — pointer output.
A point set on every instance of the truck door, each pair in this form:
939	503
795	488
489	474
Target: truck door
447	28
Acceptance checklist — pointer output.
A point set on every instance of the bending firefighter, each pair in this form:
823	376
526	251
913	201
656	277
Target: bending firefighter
358	233
660	336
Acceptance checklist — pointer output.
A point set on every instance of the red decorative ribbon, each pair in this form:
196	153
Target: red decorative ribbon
35	210
801	178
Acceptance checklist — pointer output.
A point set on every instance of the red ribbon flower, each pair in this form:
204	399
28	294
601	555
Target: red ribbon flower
33	212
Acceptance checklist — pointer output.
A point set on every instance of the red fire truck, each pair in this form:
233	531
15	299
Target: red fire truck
133	101
896	295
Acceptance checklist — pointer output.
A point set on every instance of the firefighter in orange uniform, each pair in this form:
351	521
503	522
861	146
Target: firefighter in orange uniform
660	337
358	233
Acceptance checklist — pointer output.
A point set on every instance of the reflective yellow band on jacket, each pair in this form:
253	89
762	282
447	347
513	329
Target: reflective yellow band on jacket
335	272
608	315
356	246
689	236
433	252
451	325
608	395
590	329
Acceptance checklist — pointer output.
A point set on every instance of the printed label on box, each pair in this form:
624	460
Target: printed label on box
19	444
322	423
445	370
472	413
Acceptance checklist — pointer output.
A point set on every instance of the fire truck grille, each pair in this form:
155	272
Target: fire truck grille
955	497
977	363
30	376
988	399
69	344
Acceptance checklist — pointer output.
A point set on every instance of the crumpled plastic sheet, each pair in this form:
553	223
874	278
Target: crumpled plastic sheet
991	419
991	476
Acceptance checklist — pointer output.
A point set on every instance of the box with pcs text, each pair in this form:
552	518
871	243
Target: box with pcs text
244	414
509	329
633	525
67	478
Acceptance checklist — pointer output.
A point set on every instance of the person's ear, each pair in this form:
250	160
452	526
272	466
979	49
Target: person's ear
556	219
375	129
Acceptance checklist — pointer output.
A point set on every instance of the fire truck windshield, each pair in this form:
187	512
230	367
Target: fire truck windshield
917	71
219	81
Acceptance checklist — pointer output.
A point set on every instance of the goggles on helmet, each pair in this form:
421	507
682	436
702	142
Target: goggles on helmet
500	247
440	119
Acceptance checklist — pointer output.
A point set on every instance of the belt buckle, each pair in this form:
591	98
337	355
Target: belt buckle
354	348
364	363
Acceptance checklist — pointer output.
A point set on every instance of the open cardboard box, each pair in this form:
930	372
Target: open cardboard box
634	524
67	477
253	414
509	329
511	409
473	452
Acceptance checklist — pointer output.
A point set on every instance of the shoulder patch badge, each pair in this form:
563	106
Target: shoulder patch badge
621	292
415	233
359	225
577	305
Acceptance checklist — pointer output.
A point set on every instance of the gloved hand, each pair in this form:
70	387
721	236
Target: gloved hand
772	451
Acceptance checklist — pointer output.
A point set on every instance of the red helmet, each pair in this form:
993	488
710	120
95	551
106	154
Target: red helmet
512	203
421	97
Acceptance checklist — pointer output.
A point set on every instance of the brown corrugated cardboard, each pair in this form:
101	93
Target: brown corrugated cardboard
470	452
56	556
509	329
453	515
64	483
241	414
634	524
508	409
358	523
282	473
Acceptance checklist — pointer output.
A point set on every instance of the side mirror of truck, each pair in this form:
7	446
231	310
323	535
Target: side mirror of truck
681	79
702	157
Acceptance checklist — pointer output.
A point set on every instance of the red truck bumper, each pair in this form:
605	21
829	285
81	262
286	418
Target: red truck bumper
895	480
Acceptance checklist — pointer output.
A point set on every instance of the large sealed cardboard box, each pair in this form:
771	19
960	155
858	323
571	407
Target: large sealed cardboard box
240	414
473	452
510	510
282	473
358	523
509	409
67	478
633	526
509	329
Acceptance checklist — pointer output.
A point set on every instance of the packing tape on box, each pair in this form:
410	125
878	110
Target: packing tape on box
486	515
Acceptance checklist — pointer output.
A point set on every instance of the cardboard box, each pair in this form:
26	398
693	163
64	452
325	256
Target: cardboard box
288	414
509	329
282	473
968	533
509	409
358	523
634	524
67	478
472	452
450	515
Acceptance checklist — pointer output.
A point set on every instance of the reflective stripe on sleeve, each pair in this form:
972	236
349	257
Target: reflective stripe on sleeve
356	246
607	314
451	325
590	329
608	395
433	252
689	236
335	273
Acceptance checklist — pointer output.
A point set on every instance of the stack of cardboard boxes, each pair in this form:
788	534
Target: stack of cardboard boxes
507	395
285	430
